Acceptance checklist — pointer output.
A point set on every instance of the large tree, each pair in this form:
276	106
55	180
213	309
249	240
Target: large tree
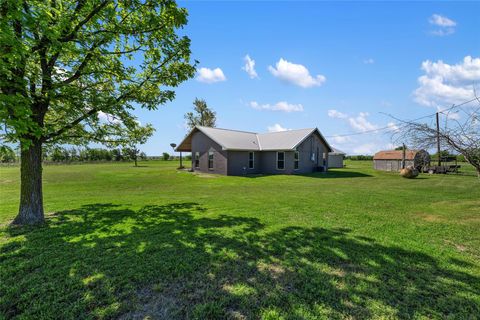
202	115
64	64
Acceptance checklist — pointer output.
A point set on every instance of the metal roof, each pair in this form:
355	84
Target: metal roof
336	151
243	140
395	155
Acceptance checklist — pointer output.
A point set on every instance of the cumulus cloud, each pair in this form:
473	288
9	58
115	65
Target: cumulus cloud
361	123
445	26
339	139
392	126
207	75
249	67
369	61
332	113
296	74
106	117
443	83
441	21
279	106
276	128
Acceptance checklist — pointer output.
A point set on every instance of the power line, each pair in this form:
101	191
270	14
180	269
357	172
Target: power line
391	125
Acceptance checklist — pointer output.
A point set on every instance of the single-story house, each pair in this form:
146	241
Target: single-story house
232	152
391	160
335	158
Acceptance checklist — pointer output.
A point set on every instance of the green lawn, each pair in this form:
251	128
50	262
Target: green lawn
134	242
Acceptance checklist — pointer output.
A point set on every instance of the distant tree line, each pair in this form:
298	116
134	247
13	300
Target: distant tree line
72	154
75	154
359	157
445	155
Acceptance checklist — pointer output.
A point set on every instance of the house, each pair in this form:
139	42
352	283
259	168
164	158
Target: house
232	152
335	158
391	160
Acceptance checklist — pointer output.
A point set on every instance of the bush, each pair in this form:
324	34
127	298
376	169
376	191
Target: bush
7	154
165	156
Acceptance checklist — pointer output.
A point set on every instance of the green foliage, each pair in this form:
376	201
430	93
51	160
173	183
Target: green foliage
66	73
159	243
165	156
62	154
202	115
7	154
131	137
359	158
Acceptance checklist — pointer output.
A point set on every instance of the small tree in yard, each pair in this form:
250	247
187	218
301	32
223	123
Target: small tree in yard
66	78
202	115
134	137
165	156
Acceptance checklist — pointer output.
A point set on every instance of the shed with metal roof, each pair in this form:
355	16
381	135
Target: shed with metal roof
391	160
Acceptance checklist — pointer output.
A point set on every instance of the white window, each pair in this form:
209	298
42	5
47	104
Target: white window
210	160
296	160
251	160
280	160
197	159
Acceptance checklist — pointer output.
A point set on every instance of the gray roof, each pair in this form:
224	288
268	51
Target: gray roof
243	140
336	151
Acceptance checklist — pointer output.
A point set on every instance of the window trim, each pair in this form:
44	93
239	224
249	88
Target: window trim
211	153
281	160
296	160
196	160
252	160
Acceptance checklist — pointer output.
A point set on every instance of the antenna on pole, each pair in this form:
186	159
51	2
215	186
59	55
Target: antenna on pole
438	141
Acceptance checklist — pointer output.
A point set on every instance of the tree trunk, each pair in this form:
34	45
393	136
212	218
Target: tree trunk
136	165
31	196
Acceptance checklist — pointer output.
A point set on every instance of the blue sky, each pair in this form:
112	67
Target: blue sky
335	66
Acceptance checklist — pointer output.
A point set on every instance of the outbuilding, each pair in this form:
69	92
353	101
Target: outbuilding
391	160
335	158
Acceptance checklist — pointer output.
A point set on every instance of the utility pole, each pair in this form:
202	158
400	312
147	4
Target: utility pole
438	141
403	156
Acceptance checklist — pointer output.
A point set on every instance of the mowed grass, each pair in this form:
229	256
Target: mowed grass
126	242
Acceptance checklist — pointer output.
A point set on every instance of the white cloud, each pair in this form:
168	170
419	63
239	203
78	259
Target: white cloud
296	74
369	61
332	113
441	21
107	117
443	32
366	149
339	139
249	67
445	26
361	123
279	106
393	127
443	83
276	128
207	75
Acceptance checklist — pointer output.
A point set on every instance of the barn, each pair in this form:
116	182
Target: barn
391	160
335	158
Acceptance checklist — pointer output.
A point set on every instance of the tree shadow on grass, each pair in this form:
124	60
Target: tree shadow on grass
176	261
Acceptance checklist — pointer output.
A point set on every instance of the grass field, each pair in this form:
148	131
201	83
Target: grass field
126	242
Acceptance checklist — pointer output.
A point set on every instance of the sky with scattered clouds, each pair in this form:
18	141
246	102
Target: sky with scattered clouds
342	67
